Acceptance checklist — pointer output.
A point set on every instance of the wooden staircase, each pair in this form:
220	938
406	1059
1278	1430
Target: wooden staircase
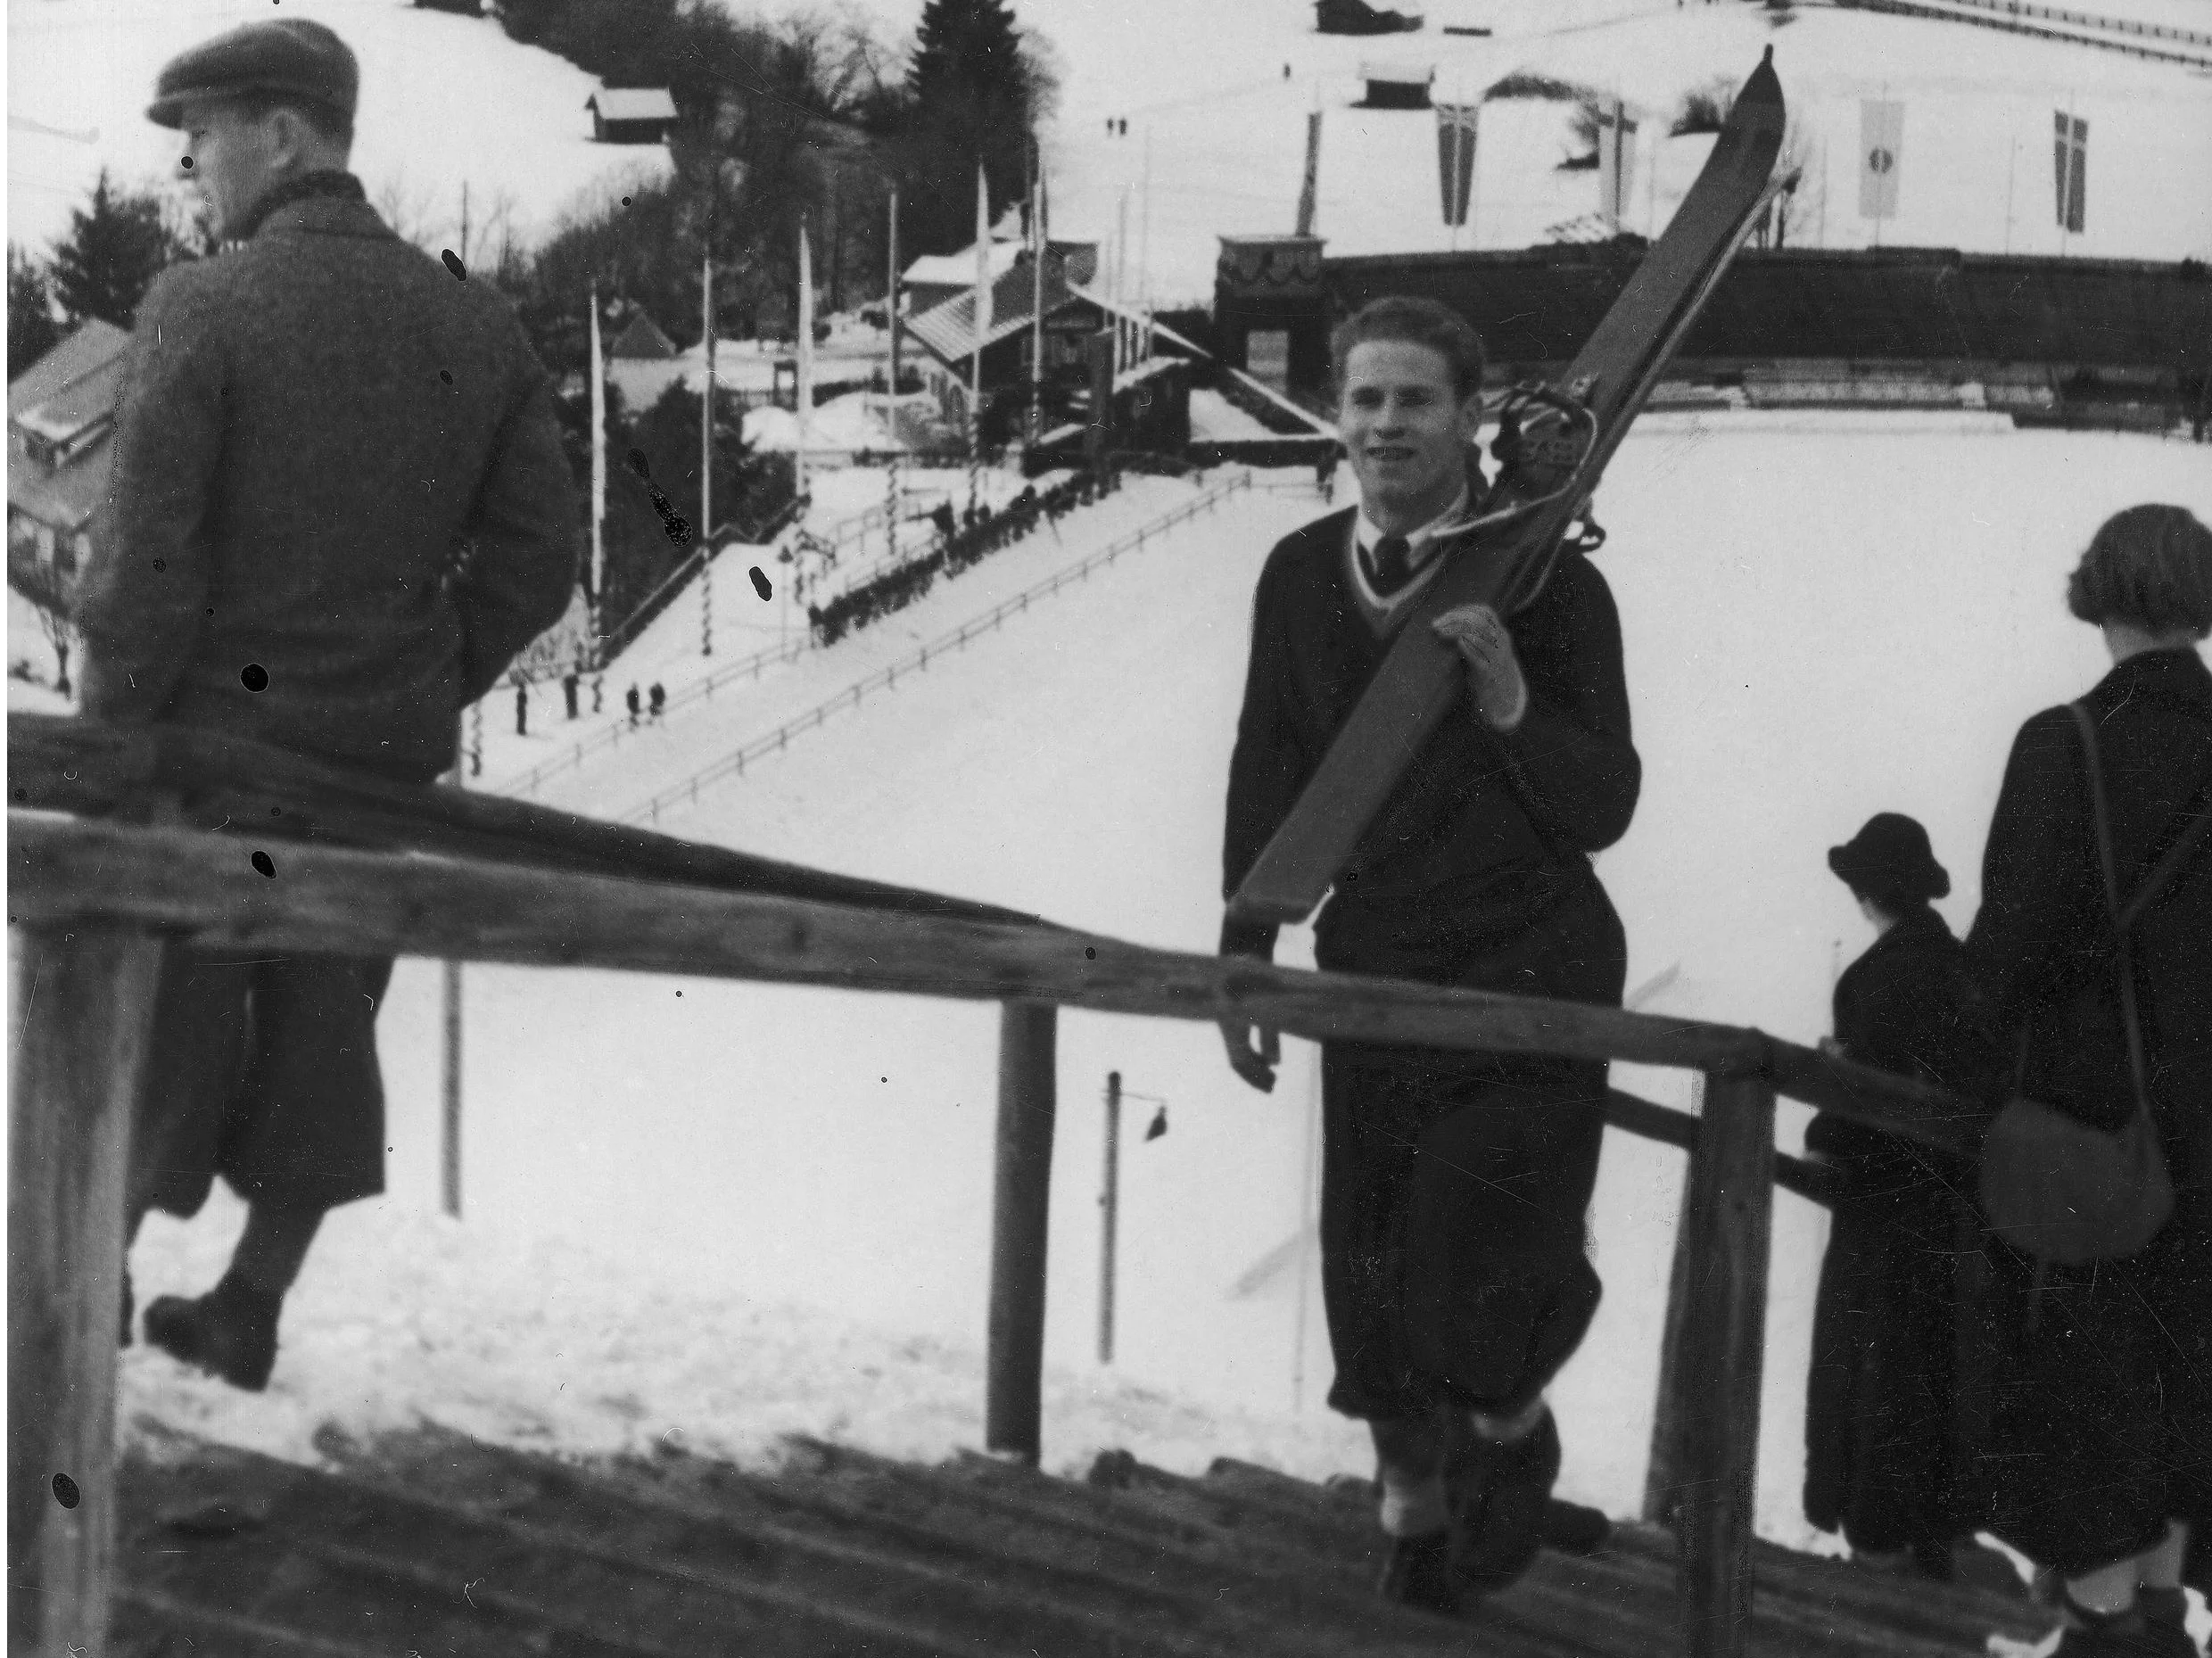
433	1545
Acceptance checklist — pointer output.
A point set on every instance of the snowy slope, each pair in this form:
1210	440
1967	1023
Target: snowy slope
445	100
1798	594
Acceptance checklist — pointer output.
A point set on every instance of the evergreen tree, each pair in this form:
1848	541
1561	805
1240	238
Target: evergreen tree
117	245
32	331
971	96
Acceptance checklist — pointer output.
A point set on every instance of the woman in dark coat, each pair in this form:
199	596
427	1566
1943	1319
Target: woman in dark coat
1878	1400
2104	1414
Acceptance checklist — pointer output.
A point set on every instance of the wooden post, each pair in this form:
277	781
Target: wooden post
1021	1202
1110	1214
82	1010
1663	1474
1728	1215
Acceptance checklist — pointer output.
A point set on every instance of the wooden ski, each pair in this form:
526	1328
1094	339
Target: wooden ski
1574	425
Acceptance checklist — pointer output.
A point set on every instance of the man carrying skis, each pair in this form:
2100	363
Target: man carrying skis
1454	1185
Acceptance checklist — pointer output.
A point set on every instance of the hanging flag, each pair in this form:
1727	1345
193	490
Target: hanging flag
805	355
598	453
1313	168
2071	137
1881	144
983	257
1616	160
1455	158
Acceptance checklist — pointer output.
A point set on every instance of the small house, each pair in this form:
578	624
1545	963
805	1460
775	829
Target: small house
463	8
61	415
631	114
642	341
1397	85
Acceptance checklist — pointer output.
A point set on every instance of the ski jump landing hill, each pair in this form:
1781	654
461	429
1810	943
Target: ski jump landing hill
798	1144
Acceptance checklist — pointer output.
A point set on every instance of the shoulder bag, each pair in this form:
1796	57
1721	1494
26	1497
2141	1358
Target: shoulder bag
2052	1186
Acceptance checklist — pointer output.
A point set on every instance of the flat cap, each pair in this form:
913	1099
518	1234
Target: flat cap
294	55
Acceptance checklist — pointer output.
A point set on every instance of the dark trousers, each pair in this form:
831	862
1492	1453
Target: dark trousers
1453	1188
262	1069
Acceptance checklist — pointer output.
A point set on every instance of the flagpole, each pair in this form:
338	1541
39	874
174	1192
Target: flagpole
805	357
1037	291
706	398
598	472
982	321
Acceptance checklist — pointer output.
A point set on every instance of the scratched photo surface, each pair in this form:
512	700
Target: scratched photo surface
718	1213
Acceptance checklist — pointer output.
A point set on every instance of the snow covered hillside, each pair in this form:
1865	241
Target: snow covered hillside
1825	616
445	100
1218	128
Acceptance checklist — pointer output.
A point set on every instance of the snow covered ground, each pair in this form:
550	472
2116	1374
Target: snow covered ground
446	101
726	1211
1825	616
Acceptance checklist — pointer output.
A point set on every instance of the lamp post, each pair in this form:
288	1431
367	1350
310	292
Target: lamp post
1109	1202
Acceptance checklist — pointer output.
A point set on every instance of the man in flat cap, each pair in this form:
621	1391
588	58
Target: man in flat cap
338	509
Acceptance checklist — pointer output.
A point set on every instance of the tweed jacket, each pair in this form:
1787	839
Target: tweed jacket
339	505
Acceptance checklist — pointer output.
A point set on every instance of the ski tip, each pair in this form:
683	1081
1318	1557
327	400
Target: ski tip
1766	59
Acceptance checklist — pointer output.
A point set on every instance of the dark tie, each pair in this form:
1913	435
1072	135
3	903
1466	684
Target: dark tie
1393	569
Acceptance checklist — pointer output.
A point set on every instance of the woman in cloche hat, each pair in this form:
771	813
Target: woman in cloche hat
1878	1450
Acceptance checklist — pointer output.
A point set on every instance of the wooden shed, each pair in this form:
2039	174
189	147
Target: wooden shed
631	114
1397	85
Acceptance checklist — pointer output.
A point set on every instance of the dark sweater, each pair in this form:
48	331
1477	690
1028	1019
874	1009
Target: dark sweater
1484	832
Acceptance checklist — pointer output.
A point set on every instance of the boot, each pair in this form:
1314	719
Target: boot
230	1332
1500	1497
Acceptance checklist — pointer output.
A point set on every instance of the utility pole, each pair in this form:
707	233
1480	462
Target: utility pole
450	1090
1109	1204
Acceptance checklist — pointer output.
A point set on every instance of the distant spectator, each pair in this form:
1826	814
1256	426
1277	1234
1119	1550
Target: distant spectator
598	689
630	697
658	701
1881	1465
569	683
521	708
942	516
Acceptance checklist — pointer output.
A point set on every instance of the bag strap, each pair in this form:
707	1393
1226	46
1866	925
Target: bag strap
2121	916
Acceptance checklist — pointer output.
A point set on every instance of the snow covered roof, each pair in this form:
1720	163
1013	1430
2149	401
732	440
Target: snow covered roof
1399	74
86	359
65	499
949	329
959	269
632	104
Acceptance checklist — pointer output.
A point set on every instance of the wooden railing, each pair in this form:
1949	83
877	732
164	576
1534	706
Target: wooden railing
132	863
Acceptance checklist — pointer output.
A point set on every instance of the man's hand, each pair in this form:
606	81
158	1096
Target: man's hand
1501	695
1254	1063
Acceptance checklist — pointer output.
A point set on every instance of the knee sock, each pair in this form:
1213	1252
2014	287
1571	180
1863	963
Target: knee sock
1506	1430
1413	1507
273	1247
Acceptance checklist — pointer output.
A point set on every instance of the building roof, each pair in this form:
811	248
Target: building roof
1399	74
95	347
950	270
643	339
949	330
65	499
632	104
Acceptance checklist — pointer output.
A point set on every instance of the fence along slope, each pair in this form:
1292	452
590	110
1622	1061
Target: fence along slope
81	886
686	792
750	667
